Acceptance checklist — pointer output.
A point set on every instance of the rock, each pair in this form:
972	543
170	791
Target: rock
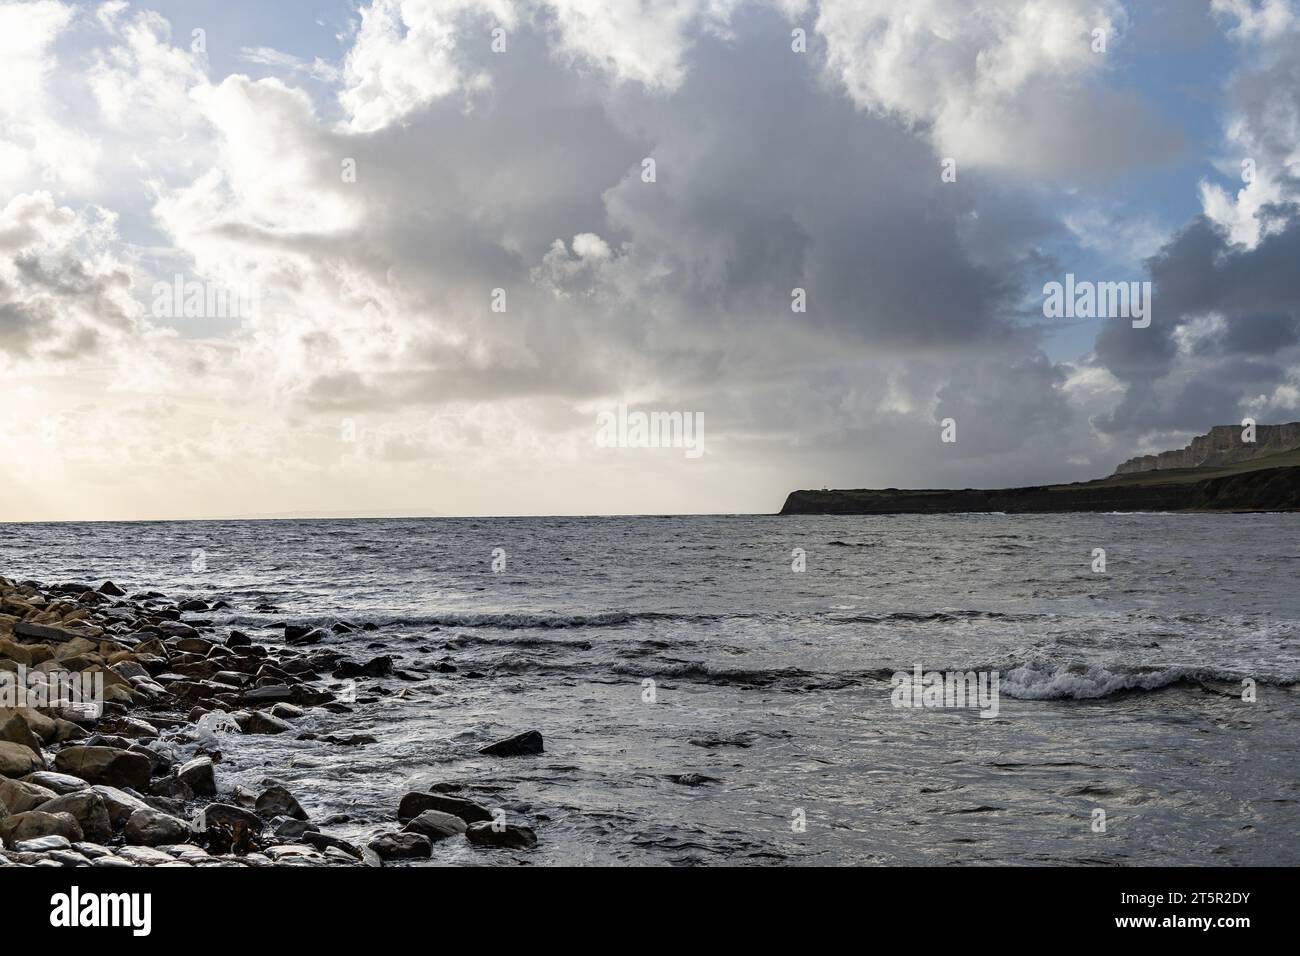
134	727
401	846
286	711
268	694
105	765
225	815
43	845
119	803
238	639
44	632
256	722
151	827
17	796
279	802
143	855
413	804
172	788
15	729
376	667
520	745
508	835
436	825
16	760
201	776
350	740
34	824
88	809
691	779
111	589
325	842
288	828
293	632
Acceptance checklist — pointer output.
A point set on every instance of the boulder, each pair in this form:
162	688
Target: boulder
226	815
111	589
17	760
119	803
201	776
278	802
149	827
256	722
401	846
50	844
105	765
503	835
60	783
436	825
15	729
520	745
17	796
88	809
413	804
34	824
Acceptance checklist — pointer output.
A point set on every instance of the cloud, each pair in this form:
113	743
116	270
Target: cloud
1003	84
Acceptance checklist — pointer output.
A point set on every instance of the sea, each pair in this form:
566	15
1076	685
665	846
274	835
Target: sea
731	690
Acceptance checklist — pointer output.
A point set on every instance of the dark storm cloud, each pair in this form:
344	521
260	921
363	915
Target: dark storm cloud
1254	293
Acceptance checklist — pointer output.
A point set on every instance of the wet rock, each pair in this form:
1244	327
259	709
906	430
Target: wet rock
691	779
287	711
201	776
238	639
287	828
350	740
401	846
256	722
413	804
193	604
172	789
92	851
436	825
88	809
120	804
105	765
520	745
16	729
313	636
278	802
151	827
44	845
376	667
269	694
16	760
504	835
34	824
135	727
16	796
326	842
111	589
143	856
226	815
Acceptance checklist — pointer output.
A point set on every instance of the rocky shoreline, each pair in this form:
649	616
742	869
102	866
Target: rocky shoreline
135	779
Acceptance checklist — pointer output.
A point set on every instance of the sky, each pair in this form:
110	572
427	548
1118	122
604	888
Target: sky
406	256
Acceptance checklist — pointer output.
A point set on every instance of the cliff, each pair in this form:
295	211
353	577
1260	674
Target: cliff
1265	489
1222	445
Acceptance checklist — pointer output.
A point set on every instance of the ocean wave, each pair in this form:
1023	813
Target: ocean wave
1092	681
